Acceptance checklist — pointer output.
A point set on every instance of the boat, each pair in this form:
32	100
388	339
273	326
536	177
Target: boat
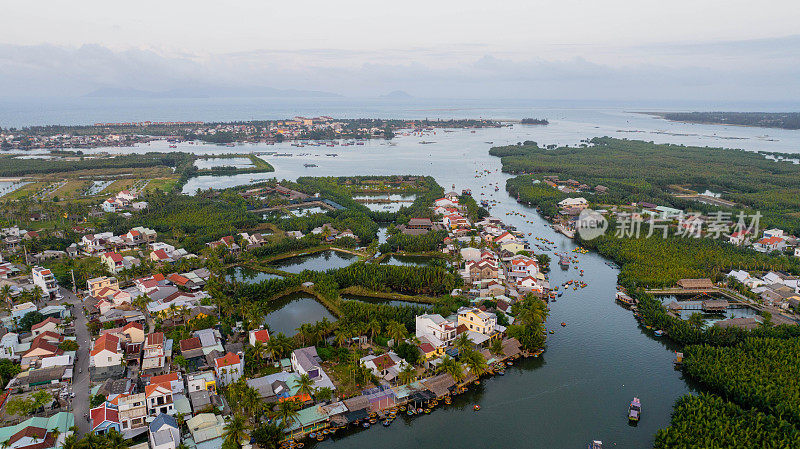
564	262
596	444
477	407
659	333
634	410
309	165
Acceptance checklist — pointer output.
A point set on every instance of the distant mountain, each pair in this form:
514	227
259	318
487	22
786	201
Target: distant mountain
397	94
207	92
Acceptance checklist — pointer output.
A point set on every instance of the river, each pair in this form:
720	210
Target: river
580	388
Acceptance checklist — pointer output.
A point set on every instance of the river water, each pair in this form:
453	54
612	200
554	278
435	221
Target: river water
580	388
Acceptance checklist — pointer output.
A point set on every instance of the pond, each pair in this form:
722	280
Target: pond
249	275
391	302
293	310
386	207
7	187
320	261
690	307
238	162
303	211
408	261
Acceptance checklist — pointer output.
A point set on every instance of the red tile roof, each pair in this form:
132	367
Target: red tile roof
102	414
227	360
164	378
154	339
105	342
190	343
116	257
427	348
44	322
178	279
261	335
154	387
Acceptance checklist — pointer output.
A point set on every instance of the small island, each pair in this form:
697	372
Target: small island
782	120
534	121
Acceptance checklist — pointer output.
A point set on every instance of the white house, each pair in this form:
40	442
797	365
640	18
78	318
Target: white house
106	352
229	368
164	433
436	329
769	244
44	279
8	344
568	203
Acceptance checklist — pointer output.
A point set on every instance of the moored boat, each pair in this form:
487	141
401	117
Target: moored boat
634	410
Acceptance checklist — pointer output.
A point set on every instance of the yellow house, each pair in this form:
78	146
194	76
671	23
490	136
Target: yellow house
477	320
97	284
512	246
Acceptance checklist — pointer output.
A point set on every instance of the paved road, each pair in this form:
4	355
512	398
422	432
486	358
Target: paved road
80	384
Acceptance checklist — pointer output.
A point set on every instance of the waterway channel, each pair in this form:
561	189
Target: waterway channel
580	388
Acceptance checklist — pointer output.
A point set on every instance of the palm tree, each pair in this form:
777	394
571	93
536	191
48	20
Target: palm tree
695	320
452	367
463	344
408	374
287	413
373	327
235	433
476	363
5	294
305	385
496	347
397	331
70	442
114	440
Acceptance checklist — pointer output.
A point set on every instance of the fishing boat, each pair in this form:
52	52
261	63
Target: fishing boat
309	165
564	262
634	410
596	444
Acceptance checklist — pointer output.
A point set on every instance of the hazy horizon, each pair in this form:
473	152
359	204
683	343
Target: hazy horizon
614	50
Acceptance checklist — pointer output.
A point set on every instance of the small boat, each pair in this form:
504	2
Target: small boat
563	324
659	333
386	423
596	444
634	410
476	408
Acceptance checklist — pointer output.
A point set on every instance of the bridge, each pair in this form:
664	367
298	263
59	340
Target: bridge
737	300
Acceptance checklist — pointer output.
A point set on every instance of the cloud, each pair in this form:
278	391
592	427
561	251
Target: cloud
759	70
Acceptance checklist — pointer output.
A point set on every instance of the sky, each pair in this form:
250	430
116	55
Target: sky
566	49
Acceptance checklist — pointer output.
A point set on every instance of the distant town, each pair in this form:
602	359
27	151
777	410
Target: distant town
269	131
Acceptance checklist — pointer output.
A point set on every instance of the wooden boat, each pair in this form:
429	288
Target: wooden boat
634	410
596	444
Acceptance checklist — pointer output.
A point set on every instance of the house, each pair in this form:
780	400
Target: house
159	399
385	366
229	368
106	352
113	261
96	285
769	233
738	237
44	279
109	205
164	432
38	432
307	361
153	352
174	379
470	254
140	235
207	427
49	325
42	347
436	330
479	321
205	381
569	203
105	418
522	266
259	335
512	246
769	244
8	345
504	237
132	410
20	310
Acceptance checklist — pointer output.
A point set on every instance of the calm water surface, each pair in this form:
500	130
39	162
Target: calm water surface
291	311
321	261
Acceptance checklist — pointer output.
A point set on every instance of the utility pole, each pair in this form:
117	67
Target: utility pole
74	287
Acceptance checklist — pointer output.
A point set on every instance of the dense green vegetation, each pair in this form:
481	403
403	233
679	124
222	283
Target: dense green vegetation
785	120
192	221
658	262
758	372
636	171
708	421
408	280
14	166
398	241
